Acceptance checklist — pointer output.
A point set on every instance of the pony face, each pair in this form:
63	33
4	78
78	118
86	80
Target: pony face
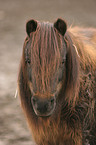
44	57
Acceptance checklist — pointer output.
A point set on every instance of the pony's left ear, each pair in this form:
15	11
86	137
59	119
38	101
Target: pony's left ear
61	26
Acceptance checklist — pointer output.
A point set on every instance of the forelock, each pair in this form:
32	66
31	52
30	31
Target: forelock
46	50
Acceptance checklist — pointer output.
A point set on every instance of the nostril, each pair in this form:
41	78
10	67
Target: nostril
34	100
52	101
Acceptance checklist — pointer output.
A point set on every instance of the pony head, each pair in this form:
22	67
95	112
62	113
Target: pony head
47	66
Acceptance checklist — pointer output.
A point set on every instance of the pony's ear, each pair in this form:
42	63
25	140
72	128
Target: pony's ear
61	26
31	26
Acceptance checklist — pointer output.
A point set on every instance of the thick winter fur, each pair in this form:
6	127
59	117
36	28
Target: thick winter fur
73	121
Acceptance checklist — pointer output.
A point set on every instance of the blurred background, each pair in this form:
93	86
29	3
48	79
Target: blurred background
13	17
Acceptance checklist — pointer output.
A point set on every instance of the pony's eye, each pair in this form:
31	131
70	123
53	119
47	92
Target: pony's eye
63	61
28	61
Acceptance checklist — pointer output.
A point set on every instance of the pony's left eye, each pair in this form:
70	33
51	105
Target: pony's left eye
63	61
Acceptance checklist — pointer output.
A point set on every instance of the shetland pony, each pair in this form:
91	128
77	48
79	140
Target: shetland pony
57	83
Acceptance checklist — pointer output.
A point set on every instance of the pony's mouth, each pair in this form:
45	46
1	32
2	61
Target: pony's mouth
43	107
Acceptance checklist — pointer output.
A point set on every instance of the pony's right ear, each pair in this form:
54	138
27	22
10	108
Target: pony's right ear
31	26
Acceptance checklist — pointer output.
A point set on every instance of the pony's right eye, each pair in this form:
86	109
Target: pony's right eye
28	61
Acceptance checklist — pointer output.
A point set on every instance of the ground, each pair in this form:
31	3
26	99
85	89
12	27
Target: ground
13	17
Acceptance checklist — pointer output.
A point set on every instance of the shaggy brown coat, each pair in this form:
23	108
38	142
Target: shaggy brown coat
74	119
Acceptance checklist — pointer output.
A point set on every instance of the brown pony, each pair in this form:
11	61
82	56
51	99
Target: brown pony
57	83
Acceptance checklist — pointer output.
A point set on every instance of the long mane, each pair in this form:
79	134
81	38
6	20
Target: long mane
85	41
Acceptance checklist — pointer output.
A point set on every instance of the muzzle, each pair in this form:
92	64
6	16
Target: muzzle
43	107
